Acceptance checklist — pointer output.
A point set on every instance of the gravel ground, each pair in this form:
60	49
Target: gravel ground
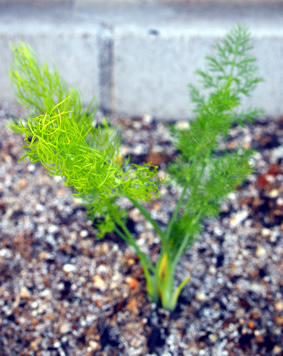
62	292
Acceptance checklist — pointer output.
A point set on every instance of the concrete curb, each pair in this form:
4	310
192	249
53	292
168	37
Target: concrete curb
139	59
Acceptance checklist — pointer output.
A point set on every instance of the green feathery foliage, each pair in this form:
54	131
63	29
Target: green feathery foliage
61	136
63	139
39	89
207	174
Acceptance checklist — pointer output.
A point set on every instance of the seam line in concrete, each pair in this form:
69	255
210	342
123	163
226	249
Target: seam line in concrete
105	53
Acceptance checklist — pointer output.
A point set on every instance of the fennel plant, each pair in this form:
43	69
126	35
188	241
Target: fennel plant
60	134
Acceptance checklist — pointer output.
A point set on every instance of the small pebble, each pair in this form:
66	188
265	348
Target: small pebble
201	297
278	320
182	125
93	345
52	229
57	179
69	268
279	306
99	282
5	252
22	183
212	269
36	342
277	350
64	328
213	337
147	118
24	293
34	305
260	251
238	218
274	193
50	239
31	168
45	293
132	282
266	232
84	233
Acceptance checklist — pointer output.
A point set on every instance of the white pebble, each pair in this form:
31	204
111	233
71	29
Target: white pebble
200	296
93	345
182	125
64	328
260	251
52	229
274	193
5	252
31	168
84	233
69	268
57	179
24	293
45	293
266	232
99	283
238	218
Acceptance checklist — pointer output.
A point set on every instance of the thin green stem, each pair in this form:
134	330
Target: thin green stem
176	212
234	63
132	242
149	218
184	244
144	260
123	236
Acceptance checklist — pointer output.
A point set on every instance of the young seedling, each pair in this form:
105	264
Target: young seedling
60	135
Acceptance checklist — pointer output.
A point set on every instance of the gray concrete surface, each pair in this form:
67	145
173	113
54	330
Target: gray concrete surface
142	2
72	50
138	59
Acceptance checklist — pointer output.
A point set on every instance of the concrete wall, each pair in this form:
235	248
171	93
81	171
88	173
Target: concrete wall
138	60
167	62
141	2
63	47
